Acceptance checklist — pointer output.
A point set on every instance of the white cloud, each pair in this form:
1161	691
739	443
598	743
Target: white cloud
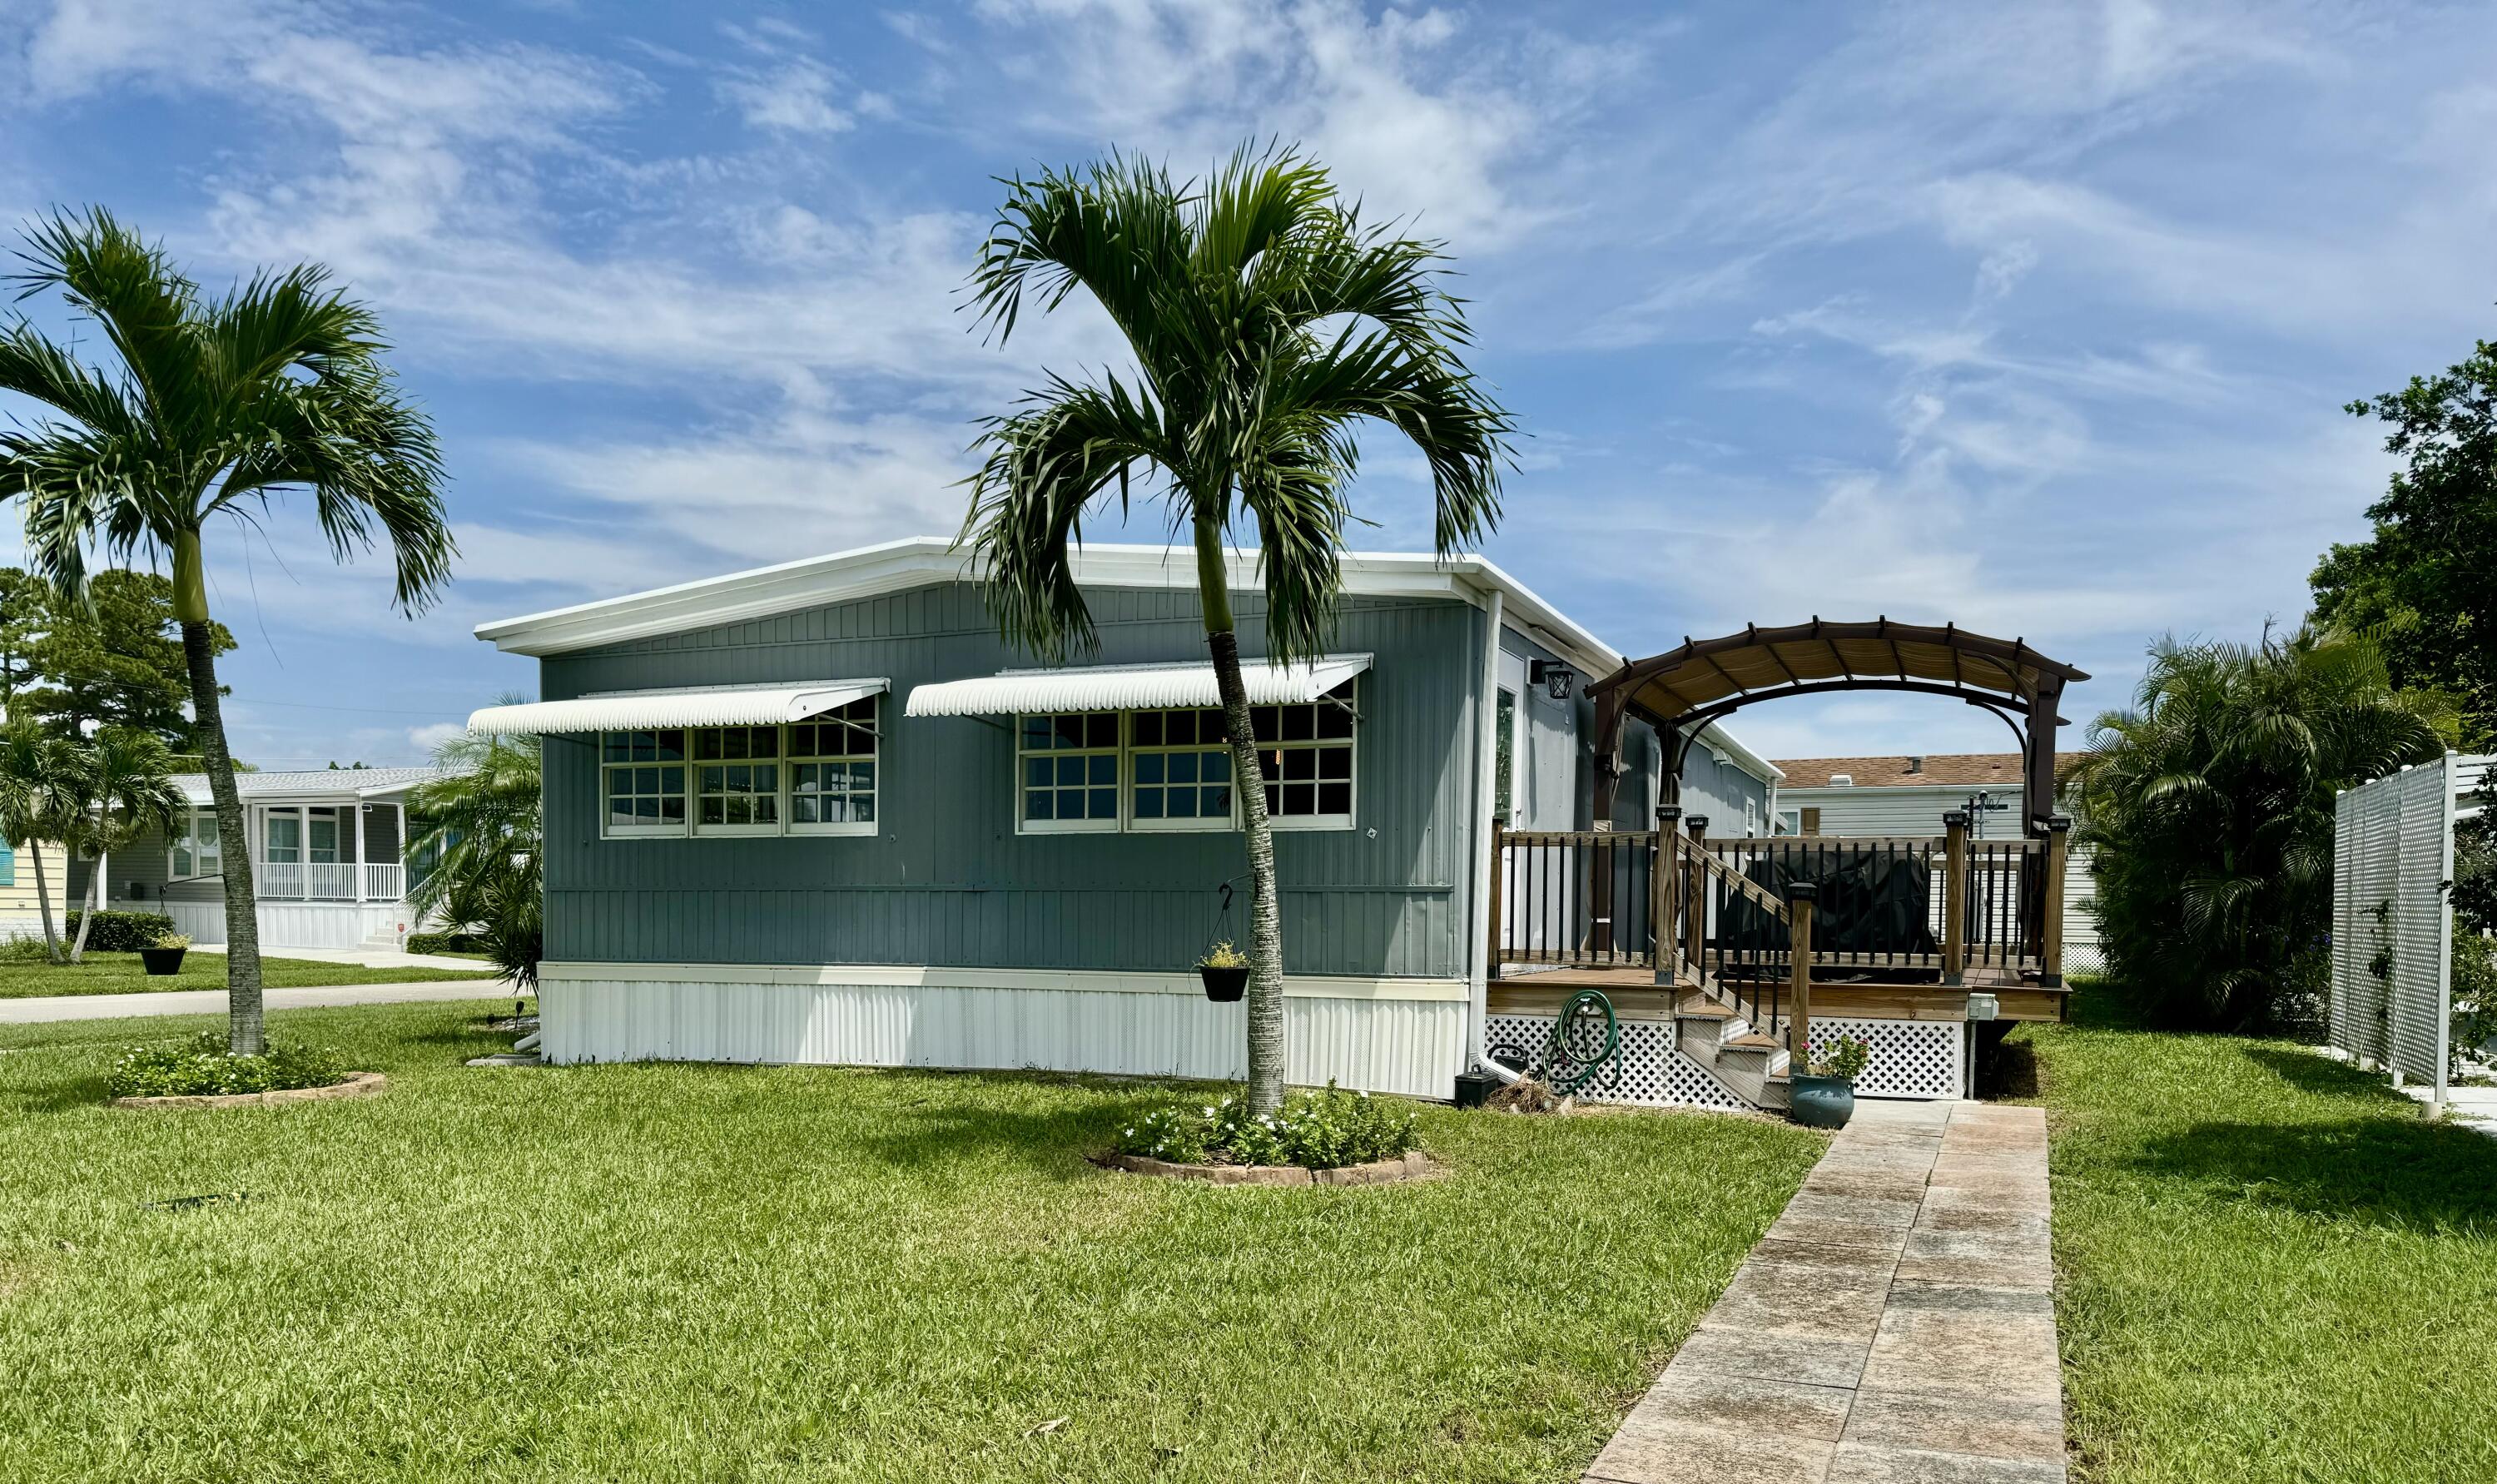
795	98
427	740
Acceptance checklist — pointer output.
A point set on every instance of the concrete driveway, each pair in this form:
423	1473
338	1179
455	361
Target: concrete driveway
99	1007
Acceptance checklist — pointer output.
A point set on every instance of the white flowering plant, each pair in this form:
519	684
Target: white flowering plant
1322	1130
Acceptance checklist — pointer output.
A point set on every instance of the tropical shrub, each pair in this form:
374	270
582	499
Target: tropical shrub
480	837
445	942
201	1066
2209	809
1317	1130
114	930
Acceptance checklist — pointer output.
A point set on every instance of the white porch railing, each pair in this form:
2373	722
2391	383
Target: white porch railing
330	880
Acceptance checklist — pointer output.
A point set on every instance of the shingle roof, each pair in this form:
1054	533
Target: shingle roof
325	780
1945	769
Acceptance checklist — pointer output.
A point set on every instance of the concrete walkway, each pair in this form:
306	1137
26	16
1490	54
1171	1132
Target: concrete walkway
100	1008
1896	1324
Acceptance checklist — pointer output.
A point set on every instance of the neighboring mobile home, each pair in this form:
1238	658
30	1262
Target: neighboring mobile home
1907	795
327	859
821	812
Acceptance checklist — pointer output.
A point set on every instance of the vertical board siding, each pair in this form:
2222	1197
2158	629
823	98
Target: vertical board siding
1410	1046
946	880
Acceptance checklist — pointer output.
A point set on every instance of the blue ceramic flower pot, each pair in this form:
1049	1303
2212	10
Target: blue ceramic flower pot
1821	1102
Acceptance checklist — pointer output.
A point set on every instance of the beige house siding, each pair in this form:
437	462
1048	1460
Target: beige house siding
18	911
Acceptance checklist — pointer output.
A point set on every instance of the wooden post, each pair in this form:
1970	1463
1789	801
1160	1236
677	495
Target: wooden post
2051	937
1668	862
1694	930
1955	897
1498	849
1799	902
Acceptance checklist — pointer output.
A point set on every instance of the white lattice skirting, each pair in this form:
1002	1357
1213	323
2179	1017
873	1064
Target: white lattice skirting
1653	1070
1910	1060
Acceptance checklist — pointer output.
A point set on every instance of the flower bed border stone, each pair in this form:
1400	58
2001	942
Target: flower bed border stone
1415	1165
356	1084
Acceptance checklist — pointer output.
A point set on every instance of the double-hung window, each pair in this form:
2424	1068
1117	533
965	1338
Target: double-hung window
1305	752
831	771
642	777
1179	770
196	851
1066	771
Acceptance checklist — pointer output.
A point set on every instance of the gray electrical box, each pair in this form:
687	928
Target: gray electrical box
1983	1007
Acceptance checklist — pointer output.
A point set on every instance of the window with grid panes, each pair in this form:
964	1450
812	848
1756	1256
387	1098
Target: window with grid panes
642	777
1305	752
1179	770
737	780
1066	771
831	771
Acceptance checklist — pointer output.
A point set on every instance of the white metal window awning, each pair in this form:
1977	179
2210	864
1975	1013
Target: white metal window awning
1129	687
708	705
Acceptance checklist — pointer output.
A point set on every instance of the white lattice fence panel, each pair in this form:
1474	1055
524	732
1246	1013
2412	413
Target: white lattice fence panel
1653	1070
1911	1059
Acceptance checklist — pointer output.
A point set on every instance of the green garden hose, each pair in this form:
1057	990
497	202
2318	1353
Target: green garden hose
1567	1066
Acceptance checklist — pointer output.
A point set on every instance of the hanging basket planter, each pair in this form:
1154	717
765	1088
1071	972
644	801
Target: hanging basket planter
1224	984
161	962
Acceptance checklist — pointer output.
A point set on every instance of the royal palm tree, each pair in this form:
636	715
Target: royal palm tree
2208	809
121	788
480	845
35	794
1268	322
212	405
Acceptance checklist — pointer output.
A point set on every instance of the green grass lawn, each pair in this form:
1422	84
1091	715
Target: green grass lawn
814	1273
122	973
2268	1266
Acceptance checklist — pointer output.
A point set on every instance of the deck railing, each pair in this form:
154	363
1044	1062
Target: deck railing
330	880
1905	907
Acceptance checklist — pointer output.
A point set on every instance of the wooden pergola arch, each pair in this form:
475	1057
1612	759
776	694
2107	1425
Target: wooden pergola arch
1683	689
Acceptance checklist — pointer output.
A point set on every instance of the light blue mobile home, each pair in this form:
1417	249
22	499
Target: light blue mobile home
821	812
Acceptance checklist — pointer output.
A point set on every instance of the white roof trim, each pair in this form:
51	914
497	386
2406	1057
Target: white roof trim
1129	687
706	706
920	561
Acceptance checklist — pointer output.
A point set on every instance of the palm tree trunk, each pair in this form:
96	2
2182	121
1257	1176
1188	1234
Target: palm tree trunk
44	902
243	1035
86	917
1265	996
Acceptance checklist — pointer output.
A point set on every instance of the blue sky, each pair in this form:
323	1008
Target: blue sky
2034	317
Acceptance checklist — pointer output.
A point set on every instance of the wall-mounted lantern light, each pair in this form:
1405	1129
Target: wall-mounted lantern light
1553	677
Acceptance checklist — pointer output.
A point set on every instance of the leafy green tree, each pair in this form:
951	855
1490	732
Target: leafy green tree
122	787
2425	583
114	661
1268	323
2209	807
211	405
480	847
37	803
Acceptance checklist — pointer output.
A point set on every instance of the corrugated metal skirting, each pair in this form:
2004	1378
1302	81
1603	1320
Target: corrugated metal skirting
1411	1046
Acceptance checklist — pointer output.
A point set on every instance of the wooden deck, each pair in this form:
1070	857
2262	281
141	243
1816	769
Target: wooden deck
1636	996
